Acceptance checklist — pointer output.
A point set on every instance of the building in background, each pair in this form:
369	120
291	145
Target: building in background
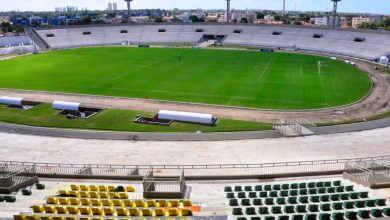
114	6
357	21
109	7
4	19
326	21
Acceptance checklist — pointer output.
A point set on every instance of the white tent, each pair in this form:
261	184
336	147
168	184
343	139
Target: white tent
10	100
384	60
187	117
71	106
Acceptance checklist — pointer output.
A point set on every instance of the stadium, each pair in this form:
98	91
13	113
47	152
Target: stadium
183	121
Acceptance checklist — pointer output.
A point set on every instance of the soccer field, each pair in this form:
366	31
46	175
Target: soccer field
225	77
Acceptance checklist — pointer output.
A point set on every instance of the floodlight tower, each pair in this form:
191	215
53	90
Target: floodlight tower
228	14
128	10
335	2
284	6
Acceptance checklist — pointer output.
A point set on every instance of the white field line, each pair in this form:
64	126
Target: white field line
264	70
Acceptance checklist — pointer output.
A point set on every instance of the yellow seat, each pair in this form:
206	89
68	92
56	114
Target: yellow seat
63	192
140	203
74	201
152	203
111	188
159	212
147	212
93	188
64	201
187	202
155	219
113	195
173	212
96	202
109	211
94	195
128	203
98	218
122	212
20	217
58	218
50	209
103	195
130	189
123	195
85	202
185	219
106	202
75	187
164	203
134	212
186	212
46	218
71	218
74	194
111	219
73	210
84	194
175	203
103	188
84	218
62	210
85	211
52	200
38	209
84	188
170	219
33	217
97	211
117	202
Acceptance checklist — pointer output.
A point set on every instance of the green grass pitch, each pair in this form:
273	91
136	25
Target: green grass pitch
225	77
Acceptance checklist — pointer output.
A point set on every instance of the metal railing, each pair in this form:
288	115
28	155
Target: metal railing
370	173
15	180
195	172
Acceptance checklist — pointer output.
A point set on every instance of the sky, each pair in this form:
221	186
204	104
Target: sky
362	6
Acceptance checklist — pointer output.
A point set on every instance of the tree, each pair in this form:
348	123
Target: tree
6	27
35	23
297	23
158	19
176	19
260	15
194	18
277	17
244	20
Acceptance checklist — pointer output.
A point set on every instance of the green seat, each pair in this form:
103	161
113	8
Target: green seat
348	188
248	188
289	209
292	200
335	197
337	206
370	203
257	202
324	198
269	201
294	186
283	217
276	209
348	205
252	195
359	204
386	211
250	211
300	208
303	199
258	188
350	215
281	201
2	199
245	202
263	210
276	187
238	188
263	194
344	196
283	193
327	184
293	192
303	192
314	199
233	202
376	213
340	189
331	190
269	218
297	217
320	184
338	216
325	216
230	195
312	191
353	195
312	208
26	192
242	218
40	186
321	190
363	195
273	194
285	186
336	183
241	195
267	187
364	214
228	189
255	218
10	199
302	185
311	185
380	202
325	207
311	217
237	211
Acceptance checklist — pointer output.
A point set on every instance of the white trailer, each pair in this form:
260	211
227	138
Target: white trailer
191	117
70	106
6	100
